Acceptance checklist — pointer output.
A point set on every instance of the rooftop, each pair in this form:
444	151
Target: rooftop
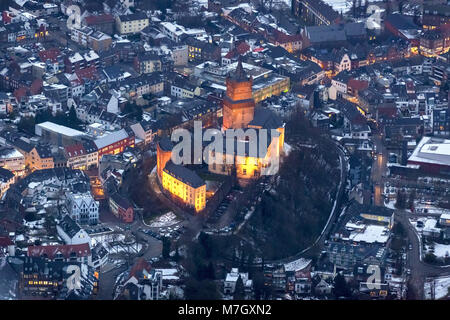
432	151
184	174
58	129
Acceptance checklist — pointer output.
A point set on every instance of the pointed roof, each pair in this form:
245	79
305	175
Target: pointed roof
239	74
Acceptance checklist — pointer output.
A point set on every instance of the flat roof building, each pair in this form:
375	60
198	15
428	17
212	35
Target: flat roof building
57	134
432	154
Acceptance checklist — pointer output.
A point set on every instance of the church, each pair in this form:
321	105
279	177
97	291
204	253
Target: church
240	113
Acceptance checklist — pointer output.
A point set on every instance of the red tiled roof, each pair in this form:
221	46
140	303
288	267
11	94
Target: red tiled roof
36	86
81	250
387	111
20	93
410	85
281	37
75	150
5	241
139	267
50	54
242	48
358	84
87	73
103	18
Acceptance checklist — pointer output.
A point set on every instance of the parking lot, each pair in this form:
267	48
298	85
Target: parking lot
172	232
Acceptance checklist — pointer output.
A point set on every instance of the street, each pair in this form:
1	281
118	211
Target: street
419	269
378	170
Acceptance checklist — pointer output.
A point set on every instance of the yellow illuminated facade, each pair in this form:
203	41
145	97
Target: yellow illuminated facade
271	89
247	167
193	197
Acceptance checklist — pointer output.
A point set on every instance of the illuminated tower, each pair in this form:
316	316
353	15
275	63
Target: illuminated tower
163	154
238	104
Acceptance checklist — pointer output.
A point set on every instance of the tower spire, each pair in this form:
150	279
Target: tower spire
239	73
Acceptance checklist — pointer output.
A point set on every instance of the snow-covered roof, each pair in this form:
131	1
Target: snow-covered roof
10	153
430	225
75	58
432	150
297	265
60	129
111	138
91	55
371	234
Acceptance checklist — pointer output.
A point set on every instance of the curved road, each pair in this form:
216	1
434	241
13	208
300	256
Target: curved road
419	269
320	242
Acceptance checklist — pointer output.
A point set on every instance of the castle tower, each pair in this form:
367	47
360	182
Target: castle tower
238	104
163	154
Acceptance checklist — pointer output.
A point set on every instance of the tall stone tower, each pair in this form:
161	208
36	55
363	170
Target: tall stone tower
238	104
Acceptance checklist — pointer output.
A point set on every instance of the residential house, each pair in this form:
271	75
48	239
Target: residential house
131	23
71	232
82	208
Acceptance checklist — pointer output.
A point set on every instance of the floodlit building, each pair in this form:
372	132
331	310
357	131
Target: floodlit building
12	160
184	184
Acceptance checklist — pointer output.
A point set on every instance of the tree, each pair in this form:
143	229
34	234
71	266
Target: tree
411	199
26	124
201	290
176	257
258	285
401	200
166	248
239	293
206	243
430	258
341	288
72	119
399	230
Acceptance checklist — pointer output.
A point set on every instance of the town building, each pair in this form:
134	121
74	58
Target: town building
67	253
43	280
82	208
435	15
143	283
71	232
36	157
229	285
114	143
316	12
102	22
441	122
57	134
147	62
121	208
12	160
131	23
266	83
7	178
185	185
432	155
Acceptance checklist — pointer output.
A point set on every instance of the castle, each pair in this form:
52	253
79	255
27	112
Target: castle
239	112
